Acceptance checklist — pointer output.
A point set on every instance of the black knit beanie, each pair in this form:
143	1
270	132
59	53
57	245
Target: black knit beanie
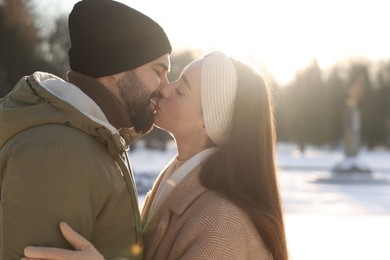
108	37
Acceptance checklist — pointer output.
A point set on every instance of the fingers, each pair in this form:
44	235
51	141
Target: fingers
76	240
85	249
46	253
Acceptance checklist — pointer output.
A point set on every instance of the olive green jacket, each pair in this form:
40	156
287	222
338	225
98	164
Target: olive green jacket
61	160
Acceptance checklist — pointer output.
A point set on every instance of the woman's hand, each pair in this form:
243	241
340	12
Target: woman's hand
85	250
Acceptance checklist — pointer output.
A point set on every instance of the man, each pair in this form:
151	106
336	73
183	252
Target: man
63	144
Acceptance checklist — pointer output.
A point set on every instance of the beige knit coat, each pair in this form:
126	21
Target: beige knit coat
196	223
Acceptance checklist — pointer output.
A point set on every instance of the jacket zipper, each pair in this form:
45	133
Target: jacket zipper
131	187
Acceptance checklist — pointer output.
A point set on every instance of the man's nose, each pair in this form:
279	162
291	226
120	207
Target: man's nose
165	80
166	90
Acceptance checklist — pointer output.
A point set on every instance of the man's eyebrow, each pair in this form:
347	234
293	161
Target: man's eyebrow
164	66
186	81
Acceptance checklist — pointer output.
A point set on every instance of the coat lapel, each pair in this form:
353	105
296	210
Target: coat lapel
182	197
150	196
152	232
188	190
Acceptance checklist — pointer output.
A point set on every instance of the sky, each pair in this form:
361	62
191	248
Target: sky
281	36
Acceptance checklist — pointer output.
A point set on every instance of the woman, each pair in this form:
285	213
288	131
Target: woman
219	198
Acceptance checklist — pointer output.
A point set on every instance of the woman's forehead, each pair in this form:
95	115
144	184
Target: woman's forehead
194	67
192	74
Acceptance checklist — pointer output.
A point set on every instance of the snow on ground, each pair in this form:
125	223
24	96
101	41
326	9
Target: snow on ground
323	221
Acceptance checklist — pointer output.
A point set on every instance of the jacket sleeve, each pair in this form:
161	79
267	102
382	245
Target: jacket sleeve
41	186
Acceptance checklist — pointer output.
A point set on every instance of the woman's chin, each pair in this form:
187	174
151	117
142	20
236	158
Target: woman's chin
157	122
160	125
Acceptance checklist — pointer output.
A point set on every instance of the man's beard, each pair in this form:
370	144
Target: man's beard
137	100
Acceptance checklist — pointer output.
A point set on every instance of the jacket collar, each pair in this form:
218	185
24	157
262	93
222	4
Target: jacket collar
112	108
67	97
72	95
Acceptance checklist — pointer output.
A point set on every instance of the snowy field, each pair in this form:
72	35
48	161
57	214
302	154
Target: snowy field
343	221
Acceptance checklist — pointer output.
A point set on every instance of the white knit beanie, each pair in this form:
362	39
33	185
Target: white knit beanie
218	92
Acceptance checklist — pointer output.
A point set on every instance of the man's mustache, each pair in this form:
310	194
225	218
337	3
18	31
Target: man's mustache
156	95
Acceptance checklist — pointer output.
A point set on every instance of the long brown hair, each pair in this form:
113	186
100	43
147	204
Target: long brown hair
243	170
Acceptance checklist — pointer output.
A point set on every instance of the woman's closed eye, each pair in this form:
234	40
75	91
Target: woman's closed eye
178	92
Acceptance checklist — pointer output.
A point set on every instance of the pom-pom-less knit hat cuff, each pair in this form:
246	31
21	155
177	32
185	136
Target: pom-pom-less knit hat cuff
218	92
108	37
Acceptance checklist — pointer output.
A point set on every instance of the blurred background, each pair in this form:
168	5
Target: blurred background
329	65
313	52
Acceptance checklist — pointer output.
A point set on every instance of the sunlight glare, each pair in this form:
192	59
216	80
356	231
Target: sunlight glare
284	35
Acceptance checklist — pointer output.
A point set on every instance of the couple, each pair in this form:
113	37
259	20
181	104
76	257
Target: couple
63	151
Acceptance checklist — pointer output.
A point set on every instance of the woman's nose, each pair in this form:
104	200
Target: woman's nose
166	90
